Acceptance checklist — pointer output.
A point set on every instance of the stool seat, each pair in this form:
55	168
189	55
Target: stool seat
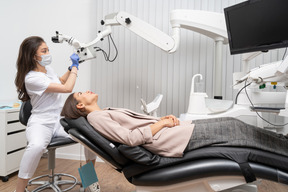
60	142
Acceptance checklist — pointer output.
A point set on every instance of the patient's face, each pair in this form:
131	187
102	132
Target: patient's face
87	98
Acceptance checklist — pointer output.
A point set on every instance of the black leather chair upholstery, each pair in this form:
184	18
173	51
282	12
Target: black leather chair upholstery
54	180
148	170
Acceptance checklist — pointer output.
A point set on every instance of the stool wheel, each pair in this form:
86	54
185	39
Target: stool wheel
5	179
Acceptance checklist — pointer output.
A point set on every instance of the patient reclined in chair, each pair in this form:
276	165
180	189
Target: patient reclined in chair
202	169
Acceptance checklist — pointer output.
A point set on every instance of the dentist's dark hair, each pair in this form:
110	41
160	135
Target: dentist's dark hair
25	63
70	110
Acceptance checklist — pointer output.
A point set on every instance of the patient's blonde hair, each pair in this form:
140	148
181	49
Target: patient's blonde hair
70	110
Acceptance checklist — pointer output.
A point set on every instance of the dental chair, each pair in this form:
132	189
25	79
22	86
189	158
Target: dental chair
202	170
55	179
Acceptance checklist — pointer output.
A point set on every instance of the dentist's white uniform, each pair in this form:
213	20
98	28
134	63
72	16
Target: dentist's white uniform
44	122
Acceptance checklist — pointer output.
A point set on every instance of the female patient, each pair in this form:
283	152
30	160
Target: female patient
167	136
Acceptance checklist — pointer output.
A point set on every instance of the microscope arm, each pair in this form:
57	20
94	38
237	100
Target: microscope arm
134	24
207	23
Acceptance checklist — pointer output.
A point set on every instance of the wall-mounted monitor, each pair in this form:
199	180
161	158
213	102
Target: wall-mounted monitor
257	25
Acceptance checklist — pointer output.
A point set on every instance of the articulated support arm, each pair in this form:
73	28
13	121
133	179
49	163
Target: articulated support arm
268	73
151	108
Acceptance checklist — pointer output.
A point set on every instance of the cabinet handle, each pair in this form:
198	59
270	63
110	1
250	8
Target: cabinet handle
15	121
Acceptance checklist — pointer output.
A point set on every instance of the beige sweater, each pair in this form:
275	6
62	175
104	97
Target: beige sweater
131	128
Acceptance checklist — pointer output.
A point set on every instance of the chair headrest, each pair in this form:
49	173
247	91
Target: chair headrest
25	112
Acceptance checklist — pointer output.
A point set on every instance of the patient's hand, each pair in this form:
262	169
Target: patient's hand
172	120
167	121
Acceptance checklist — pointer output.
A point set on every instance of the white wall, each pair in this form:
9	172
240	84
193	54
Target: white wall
20	19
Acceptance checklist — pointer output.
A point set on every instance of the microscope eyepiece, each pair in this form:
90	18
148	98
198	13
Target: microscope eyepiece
55	39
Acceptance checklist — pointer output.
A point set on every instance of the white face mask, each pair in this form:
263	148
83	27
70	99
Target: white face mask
46	60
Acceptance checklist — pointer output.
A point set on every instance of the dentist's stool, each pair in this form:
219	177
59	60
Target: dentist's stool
54	180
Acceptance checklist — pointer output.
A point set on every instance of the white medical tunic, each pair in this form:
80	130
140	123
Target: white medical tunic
46	107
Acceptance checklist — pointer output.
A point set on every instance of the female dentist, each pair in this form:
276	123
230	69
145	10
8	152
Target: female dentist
36	80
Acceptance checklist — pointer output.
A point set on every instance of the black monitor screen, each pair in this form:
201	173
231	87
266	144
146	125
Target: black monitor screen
257	25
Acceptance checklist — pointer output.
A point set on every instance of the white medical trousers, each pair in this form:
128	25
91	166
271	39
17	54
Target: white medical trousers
39	137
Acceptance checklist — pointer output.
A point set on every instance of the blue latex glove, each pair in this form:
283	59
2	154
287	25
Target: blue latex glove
75	60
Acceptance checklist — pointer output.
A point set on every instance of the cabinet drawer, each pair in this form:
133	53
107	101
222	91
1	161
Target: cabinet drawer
16	141
12	116
13	161
16	126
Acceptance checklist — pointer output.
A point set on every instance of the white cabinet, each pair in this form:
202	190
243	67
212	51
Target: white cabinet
12	141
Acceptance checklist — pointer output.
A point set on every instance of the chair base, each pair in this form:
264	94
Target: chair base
54	182
208	184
